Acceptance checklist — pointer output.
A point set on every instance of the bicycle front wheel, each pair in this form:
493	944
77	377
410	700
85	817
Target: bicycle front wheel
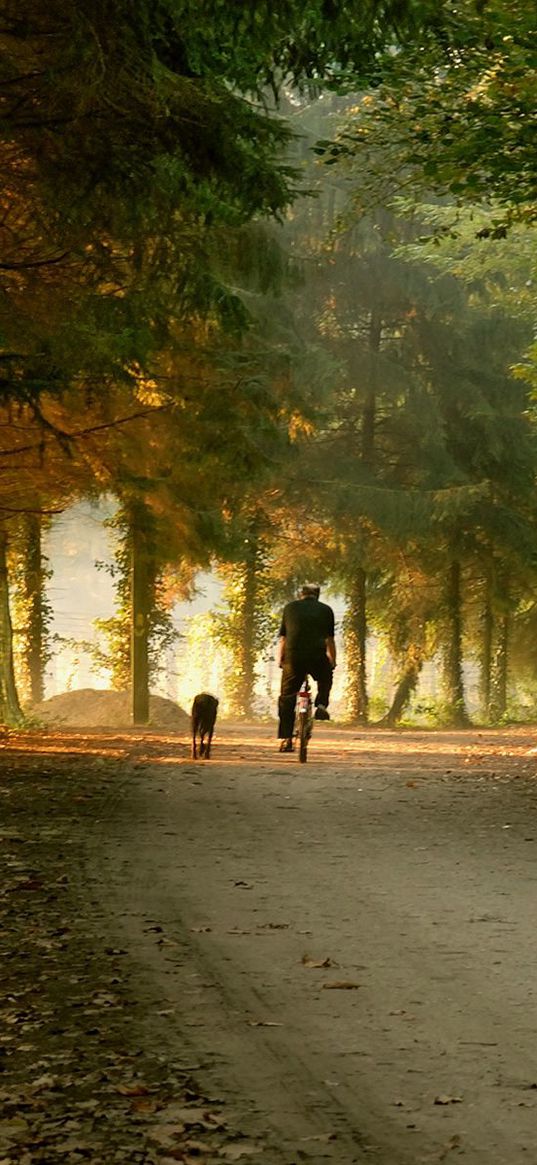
303	736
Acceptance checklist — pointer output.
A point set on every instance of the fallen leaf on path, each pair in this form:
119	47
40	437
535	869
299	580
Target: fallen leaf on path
135	1089
263	1023
102	999
44	1082
165	1135
74	1145
14	1127
235	1152
144	1104
340	985
448	1099
200	929
29	884
191	1116
308	961
324	1138
453	1143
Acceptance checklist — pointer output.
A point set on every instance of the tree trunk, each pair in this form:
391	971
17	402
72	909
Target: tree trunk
406	686
36	607
355	649
142	598
498	700
356	619
10	711
370	403
453	681
247	644
486	651
242	593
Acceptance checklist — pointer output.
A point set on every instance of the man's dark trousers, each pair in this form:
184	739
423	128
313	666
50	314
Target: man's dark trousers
293	675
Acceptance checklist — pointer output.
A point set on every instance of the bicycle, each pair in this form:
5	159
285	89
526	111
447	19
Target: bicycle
303	720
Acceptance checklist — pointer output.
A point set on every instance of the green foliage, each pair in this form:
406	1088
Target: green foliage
244	625
115	656
428	713
455	112
138	142
430	450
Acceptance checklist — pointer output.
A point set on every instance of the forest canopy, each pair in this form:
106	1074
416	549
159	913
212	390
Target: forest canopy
245	247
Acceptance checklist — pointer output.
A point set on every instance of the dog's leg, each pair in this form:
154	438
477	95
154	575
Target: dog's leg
194	750
208	748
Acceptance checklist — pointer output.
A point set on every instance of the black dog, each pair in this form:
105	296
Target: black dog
203	720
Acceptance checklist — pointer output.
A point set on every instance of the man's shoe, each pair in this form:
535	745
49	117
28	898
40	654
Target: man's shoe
286	746
322	713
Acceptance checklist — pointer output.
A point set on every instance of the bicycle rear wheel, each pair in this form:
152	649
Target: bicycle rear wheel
303	736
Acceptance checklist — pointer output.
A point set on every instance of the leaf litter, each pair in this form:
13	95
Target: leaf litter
83	1083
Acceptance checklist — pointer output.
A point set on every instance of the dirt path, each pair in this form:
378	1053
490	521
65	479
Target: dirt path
343	953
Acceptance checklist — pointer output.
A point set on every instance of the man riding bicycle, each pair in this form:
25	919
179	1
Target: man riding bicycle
306	647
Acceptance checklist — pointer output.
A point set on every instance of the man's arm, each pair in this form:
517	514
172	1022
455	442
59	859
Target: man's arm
330	640
331	649
280	649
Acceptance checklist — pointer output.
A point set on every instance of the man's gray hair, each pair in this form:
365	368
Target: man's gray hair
310	591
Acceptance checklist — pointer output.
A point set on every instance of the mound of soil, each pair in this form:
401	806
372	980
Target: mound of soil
95	708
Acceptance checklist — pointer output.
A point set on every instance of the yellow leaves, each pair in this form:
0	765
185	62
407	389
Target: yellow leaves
299	426
146	389
148	393
481	90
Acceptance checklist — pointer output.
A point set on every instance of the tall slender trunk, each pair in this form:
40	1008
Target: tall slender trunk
142	602
247	643
356	647
500	664
453	680
36	607
356	619
487	621
370	403
243	597
10	711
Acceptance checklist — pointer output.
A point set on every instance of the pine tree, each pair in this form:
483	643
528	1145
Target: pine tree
10	711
